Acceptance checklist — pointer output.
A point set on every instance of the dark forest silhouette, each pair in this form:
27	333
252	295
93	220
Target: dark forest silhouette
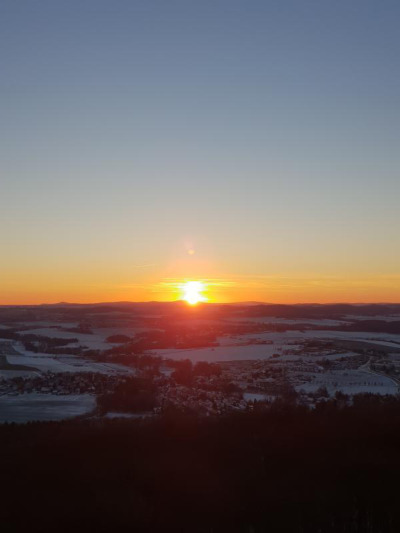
281	468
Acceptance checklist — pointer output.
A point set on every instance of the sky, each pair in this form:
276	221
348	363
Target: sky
253	145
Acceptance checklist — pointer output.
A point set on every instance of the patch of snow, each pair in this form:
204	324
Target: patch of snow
251	396
290	321
350	382
35	406
220	353
127	415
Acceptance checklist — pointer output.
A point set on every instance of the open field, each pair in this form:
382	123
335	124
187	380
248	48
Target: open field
6	365
44	407
263	351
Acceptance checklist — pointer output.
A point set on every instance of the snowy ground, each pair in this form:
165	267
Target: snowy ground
58	363
222	353
290	321
93	341
384	339
127	415
350	382
259	397
44	407
234	348
385	318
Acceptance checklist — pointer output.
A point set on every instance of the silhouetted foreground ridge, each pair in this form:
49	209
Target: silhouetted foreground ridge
282	469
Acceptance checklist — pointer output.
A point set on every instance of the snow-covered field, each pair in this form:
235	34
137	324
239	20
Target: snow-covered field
127	415
234	348
222	353
10	374
259	397
384	339
231	348
290	321
95	341
45	407
58	363
350	382
385	318
66	363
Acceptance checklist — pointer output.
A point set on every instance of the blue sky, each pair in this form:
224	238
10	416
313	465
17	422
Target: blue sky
266	133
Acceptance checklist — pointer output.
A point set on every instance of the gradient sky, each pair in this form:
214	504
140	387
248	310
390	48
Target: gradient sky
261	135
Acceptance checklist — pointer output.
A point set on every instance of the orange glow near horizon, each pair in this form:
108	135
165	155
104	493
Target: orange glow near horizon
88	286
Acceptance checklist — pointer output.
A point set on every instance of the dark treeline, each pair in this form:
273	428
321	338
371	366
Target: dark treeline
36	343
172	337
329	470
373	326
185	371
319	310
152	313
133	395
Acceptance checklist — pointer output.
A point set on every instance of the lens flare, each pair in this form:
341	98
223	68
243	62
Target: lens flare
192	292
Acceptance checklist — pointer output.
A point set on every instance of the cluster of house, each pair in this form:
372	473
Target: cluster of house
60	383
208	402
236	388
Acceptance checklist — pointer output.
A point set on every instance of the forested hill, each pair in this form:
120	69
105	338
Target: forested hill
285	468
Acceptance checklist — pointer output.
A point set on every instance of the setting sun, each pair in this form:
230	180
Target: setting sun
192	292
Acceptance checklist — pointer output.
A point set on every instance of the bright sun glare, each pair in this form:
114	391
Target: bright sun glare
192	292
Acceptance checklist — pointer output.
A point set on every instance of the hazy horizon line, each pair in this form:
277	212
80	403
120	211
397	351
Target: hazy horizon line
245	302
